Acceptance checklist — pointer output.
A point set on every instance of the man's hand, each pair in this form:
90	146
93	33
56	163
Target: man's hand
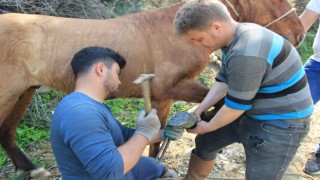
148	126
198	111
172	132
201	128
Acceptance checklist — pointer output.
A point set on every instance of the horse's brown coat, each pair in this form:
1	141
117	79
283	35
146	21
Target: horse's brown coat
36	50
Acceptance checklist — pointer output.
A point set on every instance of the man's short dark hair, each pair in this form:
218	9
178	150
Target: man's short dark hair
85	58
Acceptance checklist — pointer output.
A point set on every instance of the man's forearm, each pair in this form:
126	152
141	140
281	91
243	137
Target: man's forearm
224	117
132	150
307	18
216	93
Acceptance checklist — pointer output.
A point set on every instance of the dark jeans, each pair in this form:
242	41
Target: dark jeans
269	148
147	169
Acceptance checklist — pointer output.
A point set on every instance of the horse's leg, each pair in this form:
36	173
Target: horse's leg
163	109
185	90
7	136
189	90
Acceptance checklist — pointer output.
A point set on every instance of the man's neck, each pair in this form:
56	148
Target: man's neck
232	32
90	89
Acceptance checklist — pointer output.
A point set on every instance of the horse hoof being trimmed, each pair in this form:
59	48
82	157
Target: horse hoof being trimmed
39	172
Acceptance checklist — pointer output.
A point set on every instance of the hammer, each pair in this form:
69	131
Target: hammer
144	80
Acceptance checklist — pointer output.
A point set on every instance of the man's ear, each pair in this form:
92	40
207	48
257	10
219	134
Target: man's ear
216	27
100	67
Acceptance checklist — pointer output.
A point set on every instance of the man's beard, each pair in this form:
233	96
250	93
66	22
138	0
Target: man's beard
112	95
210	49
111	92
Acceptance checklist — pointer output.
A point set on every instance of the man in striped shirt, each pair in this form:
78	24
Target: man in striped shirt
267	97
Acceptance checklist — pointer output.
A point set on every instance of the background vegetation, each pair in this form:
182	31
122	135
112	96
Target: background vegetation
34	129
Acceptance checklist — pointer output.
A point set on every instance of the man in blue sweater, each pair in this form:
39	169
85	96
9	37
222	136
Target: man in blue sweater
87	141
265	90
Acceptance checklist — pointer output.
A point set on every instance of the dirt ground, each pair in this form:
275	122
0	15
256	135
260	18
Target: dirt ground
230	164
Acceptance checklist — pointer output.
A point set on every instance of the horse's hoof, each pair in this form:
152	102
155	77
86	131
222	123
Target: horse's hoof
39	172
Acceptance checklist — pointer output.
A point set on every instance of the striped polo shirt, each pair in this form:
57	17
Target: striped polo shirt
265	75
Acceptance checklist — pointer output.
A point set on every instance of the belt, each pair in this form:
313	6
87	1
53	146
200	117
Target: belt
298	120
284	123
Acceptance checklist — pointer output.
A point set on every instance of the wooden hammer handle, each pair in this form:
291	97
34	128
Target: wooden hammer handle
146	95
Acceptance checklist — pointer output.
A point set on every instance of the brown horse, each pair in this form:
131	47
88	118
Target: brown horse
36	51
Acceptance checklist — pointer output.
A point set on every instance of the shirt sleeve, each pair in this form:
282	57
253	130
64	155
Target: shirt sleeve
126	132
87	134
314	5
221	76
245	74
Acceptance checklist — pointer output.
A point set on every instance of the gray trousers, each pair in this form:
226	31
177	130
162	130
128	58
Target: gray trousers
269	146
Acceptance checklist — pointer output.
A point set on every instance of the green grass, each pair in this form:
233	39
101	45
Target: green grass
3	157
125	110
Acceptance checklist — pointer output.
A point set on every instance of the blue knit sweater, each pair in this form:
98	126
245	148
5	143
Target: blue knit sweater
85	137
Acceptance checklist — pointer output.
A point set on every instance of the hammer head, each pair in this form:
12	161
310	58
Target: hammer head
143	77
